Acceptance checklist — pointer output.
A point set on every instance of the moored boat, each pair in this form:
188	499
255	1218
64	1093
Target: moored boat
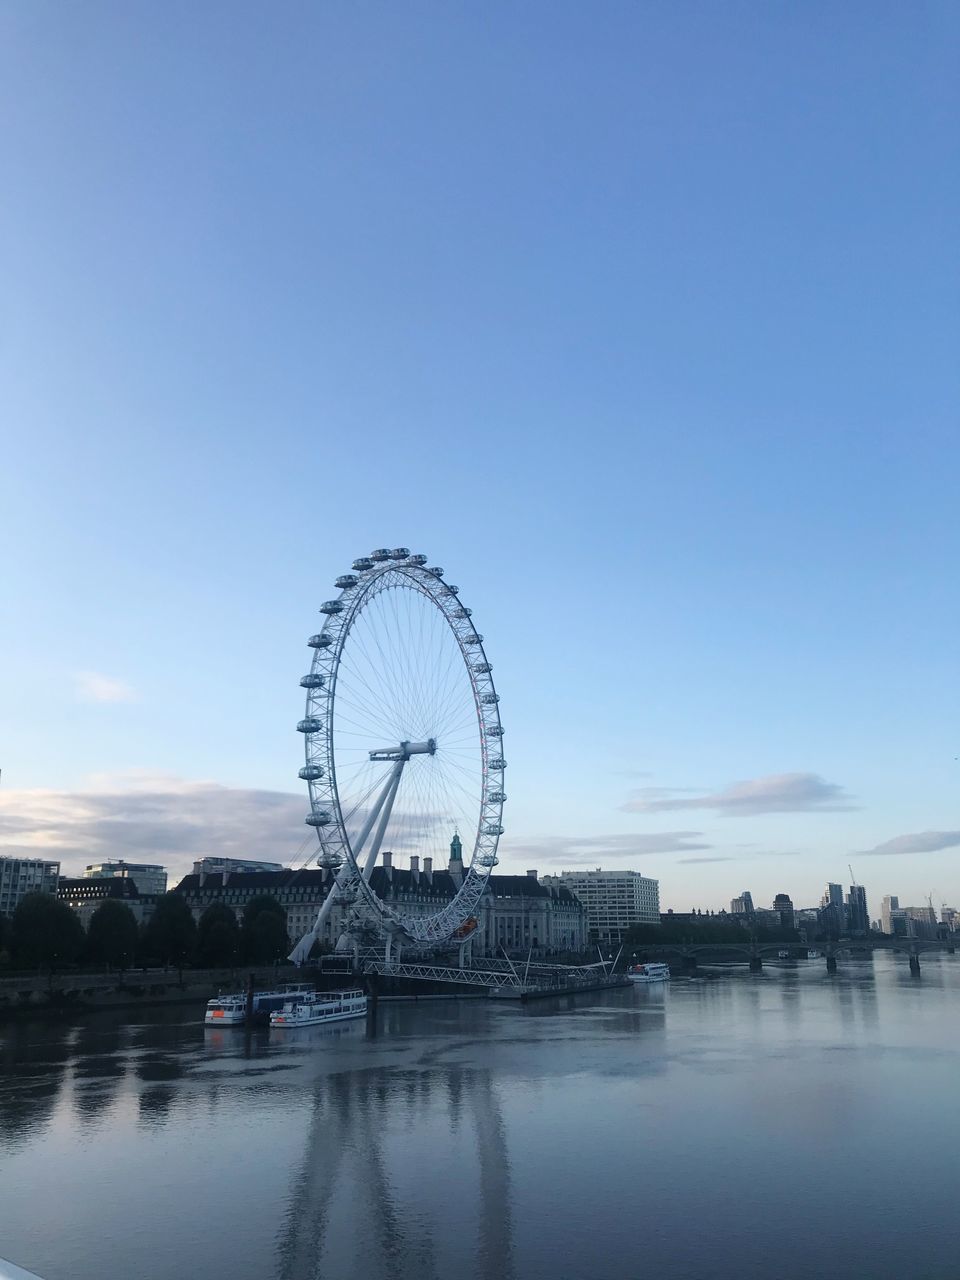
320	1006
231	1010
649	973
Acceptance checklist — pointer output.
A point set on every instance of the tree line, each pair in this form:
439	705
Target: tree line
46	934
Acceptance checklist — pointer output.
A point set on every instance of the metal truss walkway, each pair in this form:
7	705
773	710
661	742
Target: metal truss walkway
500	976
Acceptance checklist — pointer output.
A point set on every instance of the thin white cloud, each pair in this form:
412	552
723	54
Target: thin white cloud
915	842
92	686
777	793
583	850
689	862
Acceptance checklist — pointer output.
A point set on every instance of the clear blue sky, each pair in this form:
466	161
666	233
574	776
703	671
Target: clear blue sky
640	319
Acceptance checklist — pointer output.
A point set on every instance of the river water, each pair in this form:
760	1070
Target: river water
763	1127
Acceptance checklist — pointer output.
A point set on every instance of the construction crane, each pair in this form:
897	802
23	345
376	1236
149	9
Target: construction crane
853	878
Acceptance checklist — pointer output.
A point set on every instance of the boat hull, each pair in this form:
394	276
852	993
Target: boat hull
289	1024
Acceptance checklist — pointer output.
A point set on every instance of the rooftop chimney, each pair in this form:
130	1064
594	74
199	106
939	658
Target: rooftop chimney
428	869
387	859
415	866
532	875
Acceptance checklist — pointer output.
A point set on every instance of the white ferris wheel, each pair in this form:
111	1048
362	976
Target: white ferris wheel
403	745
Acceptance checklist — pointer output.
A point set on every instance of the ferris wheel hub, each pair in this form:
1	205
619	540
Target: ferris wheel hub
405	750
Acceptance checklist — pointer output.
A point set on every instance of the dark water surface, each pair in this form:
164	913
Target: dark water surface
781	1125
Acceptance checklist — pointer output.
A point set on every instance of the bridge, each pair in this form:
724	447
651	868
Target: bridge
754	953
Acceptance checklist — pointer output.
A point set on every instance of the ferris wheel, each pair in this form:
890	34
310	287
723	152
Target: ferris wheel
403	745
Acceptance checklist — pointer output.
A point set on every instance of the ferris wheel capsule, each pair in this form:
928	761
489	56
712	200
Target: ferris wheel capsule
311	681
417	560
473	640
381	554
320	641
332	606
320	819
347	580
399	553
497	764
437	572
310	725
364	562
488	699
311	773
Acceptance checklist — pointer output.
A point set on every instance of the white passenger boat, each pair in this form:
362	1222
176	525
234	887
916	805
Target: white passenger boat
320	1006
231	1010
649	973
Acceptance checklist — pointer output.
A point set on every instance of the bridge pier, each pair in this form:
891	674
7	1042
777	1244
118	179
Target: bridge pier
915	964
831	964
756	964
689	963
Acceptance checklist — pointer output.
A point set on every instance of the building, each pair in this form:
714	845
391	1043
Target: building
83	894
615	900
783	906
858	918
217	866
833	912
891	903
742	906
892	919
517	914
20	876
149	877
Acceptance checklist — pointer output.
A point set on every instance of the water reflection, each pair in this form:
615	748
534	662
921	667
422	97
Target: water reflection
350	1177
33	1065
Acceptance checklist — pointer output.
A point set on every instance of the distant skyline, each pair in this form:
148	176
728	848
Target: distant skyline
642	322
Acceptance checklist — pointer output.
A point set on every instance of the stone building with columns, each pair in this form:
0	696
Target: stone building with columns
517	914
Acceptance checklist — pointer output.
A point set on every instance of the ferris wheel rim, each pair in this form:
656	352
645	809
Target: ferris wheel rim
357	590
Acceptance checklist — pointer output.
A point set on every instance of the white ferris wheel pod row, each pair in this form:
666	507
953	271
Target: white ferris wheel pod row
403	741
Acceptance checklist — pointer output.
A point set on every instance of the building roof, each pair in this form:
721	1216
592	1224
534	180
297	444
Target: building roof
385	882
265	881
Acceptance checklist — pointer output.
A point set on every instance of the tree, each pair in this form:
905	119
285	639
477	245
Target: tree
218	936
171	932
46	933
264	930
112	934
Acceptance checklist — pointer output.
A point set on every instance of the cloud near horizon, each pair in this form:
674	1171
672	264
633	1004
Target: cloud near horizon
587	850
149	818
690	862
92	686
776	793
914	842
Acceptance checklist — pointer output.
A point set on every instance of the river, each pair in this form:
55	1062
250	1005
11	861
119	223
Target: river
759	1127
